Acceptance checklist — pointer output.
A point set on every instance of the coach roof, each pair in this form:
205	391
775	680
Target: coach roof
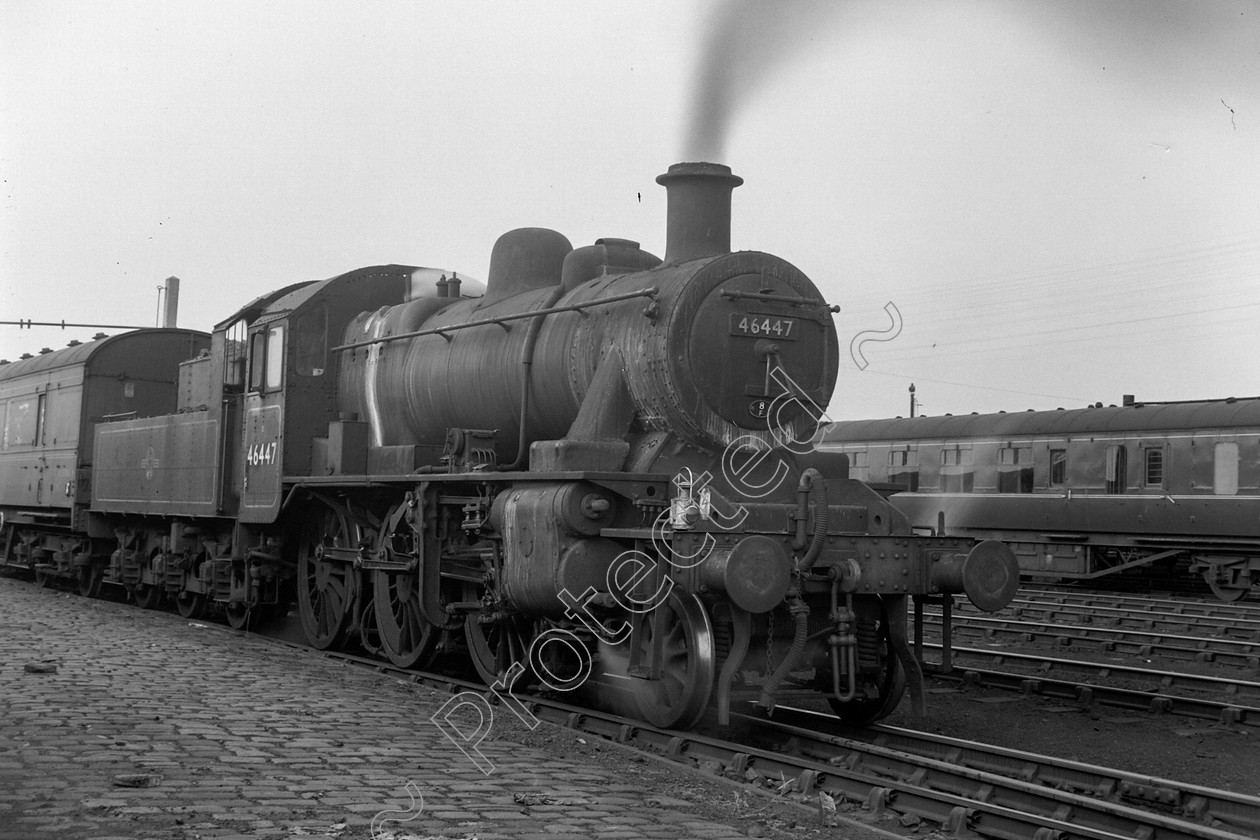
79	354
1148	417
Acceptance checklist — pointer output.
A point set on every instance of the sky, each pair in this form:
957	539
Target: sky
1015	204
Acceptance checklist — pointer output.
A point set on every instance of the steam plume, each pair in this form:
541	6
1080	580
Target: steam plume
747	41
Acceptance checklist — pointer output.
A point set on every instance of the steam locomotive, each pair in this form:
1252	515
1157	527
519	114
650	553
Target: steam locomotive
1139	490
599	457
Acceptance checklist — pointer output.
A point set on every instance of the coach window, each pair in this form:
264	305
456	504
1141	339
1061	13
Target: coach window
41	421
957	471
903	468
1225	469
1153	475
859	465
20	423
1015	470
311	342
1058	467
1117	468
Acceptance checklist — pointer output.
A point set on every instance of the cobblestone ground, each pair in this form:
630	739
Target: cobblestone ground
241	738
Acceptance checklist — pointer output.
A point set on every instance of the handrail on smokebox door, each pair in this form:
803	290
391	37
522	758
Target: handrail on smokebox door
651	292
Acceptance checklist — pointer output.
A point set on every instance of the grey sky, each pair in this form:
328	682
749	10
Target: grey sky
1062	200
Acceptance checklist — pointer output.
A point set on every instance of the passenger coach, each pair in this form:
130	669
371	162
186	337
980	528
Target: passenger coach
1082	493
50	404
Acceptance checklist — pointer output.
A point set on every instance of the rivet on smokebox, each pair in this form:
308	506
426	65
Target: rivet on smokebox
41	668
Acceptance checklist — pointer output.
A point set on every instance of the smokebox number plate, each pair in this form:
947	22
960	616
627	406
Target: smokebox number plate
763	326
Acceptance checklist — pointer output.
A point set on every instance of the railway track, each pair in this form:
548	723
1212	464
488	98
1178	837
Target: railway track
1077	630
966	788
1236	621
1027	780
1190	602
1087	683
1139	644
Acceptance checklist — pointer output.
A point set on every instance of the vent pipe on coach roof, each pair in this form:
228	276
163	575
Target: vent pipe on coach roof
699	210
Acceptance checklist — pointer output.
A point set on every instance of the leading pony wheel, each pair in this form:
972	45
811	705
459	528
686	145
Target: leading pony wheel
678	699
890	682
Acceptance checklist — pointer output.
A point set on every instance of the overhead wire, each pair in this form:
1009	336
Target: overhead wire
965	308
1139	289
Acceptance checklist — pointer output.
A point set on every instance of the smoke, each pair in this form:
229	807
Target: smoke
748	40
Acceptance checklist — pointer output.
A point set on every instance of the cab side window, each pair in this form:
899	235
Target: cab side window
257	360
234	355
266	359
275	357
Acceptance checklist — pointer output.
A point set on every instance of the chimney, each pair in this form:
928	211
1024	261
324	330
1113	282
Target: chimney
699	214
172	301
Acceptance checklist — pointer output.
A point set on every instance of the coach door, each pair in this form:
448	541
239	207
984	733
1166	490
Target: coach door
263	424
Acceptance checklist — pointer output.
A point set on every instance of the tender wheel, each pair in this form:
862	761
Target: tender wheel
326	589
89	579
148	597
496	644
678	699
258	617
891	682
407	638
237	614
191	604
